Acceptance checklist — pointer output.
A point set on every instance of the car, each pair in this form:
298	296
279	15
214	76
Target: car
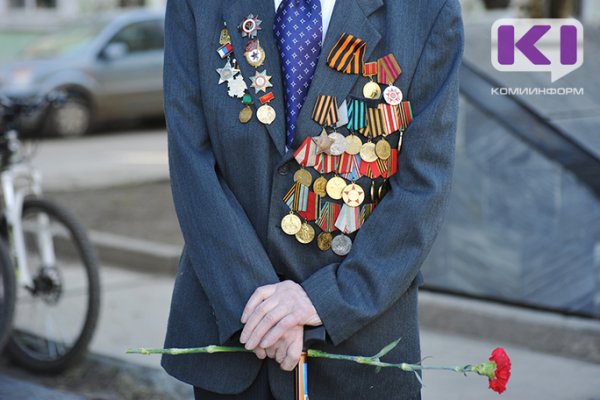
109	67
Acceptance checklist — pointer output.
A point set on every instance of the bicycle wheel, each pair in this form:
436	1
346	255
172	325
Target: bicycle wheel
56	318
7	294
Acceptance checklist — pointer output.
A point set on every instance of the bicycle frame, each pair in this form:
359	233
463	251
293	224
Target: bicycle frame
20	180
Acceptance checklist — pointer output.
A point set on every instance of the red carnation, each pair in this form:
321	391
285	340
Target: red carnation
502	372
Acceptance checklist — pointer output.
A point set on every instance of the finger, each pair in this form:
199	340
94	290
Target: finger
271	351
259	295
276	332
293	354
255	318
260	353
281	351
271	319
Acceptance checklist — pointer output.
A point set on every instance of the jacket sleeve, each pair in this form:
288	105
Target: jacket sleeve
220	242
390	247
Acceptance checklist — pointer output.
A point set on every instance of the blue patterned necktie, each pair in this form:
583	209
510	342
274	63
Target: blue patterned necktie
298	30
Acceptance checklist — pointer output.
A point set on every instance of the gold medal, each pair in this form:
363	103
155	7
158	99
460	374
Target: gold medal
320	186
266	114
256	56
335	186
367	152
224	38
306	234
383	149
245	115
372	90
353	195
291	224
353	144
324	241
303	176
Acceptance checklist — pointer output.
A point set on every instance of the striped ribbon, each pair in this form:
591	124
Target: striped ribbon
328	215
370	69
312	207
370	169
347	55
375	125
354	173
297	197
306	154
357	110
349	219
405	115
342	115
325	112
391	165
388	69
345	163
326	163
365	212
390	118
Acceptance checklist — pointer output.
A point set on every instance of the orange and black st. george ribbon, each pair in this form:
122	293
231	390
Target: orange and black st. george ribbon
347	55
325	112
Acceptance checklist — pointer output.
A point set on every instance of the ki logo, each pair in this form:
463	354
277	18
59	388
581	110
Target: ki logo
537	45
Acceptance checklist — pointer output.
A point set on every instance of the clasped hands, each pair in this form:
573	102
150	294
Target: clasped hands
274	320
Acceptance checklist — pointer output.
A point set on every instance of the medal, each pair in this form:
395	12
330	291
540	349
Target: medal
353	144
224	38
353	173
325	112
320	186
306	153
250	26
291	224
261	81
405	116
225	50
367	152
390	118
341	245
303	176
246	112
237	87
265	113
349	219
324	241
227	73
347	55
323	142
357	110
306	233
372	90
335	186
255	55
392	95
353	195
383	149
339	144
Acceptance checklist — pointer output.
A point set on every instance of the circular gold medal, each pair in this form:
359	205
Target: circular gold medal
303	176
320	186
255	57
353	195
335	186
291	224
324	241
353	144
383	149
245	115
367	152
306	234
265	114
372	90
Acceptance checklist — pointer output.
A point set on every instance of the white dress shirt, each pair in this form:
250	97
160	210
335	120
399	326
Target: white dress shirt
326	11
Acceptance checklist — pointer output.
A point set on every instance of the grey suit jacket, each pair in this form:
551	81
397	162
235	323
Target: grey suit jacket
228	180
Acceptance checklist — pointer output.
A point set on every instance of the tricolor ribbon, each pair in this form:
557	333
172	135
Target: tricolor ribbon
354	172
375	125
328	215
357	111
390	118
405	116
349	219
347	55
325	112
306	154
326	163
388	69
297	197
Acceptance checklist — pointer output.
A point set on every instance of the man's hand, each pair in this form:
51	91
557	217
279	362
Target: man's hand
273	310
288	349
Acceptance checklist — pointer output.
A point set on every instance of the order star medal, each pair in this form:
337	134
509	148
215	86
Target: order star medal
237	87
261	81
227	73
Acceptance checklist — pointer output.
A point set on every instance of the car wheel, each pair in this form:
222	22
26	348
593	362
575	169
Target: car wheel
70	119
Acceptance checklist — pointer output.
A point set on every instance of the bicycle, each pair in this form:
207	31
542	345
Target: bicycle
57	297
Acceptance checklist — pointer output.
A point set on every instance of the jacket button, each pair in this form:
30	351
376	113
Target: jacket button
284	169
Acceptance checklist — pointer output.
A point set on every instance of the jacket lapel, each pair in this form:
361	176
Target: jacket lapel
349	16
234	13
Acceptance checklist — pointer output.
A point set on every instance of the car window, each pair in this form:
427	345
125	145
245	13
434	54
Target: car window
141	36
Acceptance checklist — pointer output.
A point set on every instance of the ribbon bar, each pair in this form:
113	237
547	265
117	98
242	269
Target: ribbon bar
347	55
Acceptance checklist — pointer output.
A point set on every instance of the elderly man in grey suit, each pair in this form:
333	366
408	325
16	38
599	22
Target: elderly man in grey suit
242	279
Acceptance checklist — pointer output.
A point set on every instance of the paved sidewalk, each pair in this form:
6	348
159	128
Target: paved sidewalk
16	389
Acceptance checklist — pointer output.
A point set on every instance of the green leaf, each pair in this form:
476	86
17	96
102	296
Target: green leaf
387	348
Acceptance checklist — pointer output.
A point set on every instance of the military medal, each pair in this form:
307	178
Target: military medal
341	245
353	144
324	241
227	73
392	95
306	234
291	224
371	90
261	81
327	216
255	55
323	142
237	87
306	153
342	115
368	153
246	112
383	149
338	147
265	113
303	176
250	26
320	186
224	38
390	118
388	71
335	186
353	195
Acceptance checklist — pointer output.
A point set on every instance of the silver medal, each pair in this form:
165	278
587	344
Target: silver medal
341	245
